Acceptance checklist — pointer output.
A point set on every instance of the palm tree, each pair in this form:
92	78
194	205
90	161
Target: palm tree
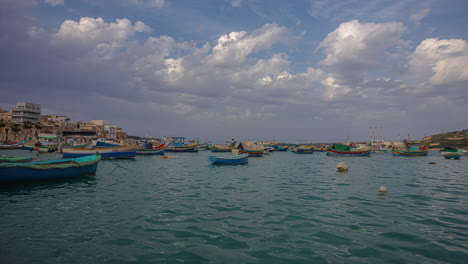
15	128
27	125
37	126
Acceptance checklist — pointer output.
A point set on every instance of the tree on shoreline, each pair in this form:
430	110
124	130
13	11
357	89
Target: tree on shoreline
15	128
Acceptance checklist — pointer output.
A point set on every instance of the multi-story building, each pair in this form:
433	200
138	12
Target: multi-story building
26	112
5	116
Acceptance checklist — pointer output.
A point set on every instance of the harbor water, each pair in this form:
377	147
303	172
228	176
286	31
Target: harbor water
280	208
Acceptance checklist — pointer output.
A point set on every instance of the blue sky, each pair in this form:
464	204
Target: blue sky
315	70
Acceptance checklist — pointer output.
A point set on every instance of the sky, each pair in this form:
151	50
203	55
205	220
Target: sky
290	71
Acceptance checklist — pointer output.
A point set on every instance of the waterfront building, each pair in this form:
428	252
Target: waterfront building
26	112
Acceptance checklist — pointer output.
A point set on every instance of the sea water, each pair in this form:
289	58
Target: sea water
280	208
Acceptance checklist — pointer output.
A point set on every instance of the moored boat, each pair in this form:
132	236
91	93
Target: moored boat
151	150
47	143
10	145
347	151
251	148
410	149
450	150
235	159
122	152
280	148
177	144
303	150
48	170
452	156
221	148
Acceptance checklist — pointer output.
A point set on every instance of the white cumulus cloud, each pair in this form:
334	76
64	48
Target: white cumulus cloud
91	31
234	48
439	61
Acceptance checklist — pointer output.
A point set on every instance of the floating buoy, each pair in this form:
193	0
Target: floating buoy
382	189
341	167
169	157
431	162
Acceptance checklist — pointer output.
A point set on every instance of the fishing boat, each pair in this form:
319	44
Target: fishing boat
280	148
177	144
348	151
303	150
5	159
10	145
47	143
106	144
29	145
235	159
48	170
122	152
221	148
410	149
149	149
453	156
249	147
450	150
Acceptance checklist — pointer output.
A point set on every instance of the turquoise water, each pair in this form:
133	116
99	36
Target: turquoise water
282	208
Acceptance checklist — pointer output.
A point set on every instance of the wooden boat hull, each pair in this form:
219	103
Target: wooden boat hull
452	156
184	148
106	153
235	160
252	153
150	151
29	147
48	170
215	149
347	153
400	152
12	145
47	149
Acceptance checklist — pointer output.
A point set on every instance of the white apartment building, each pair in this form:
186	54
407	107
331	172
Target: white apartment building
24	112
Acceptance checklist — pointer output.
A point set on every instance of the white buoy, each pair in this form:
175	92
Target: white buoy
341	167
382	189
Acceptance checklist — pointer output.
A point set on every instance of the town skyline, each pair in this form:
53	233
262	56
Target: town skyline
251	70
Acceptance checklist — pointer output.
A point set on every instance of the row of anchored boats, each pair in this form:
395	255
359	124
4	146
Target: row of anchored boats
79	161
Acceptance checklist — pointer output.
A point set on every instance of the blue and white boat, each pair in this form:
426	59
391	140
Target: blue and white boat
235	159
48	170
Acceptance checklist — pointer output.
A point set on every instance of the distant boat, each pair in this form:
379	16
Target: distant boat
177	144
450	150
303	150
221	148
48	170
280	148
410	149
4	159
10	145
151	150
122	152
251	148
235	159
347	151
452	155
29	145
47	143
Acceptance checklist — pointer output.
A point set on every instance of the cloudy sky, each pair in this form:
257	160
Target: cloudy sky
316	70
